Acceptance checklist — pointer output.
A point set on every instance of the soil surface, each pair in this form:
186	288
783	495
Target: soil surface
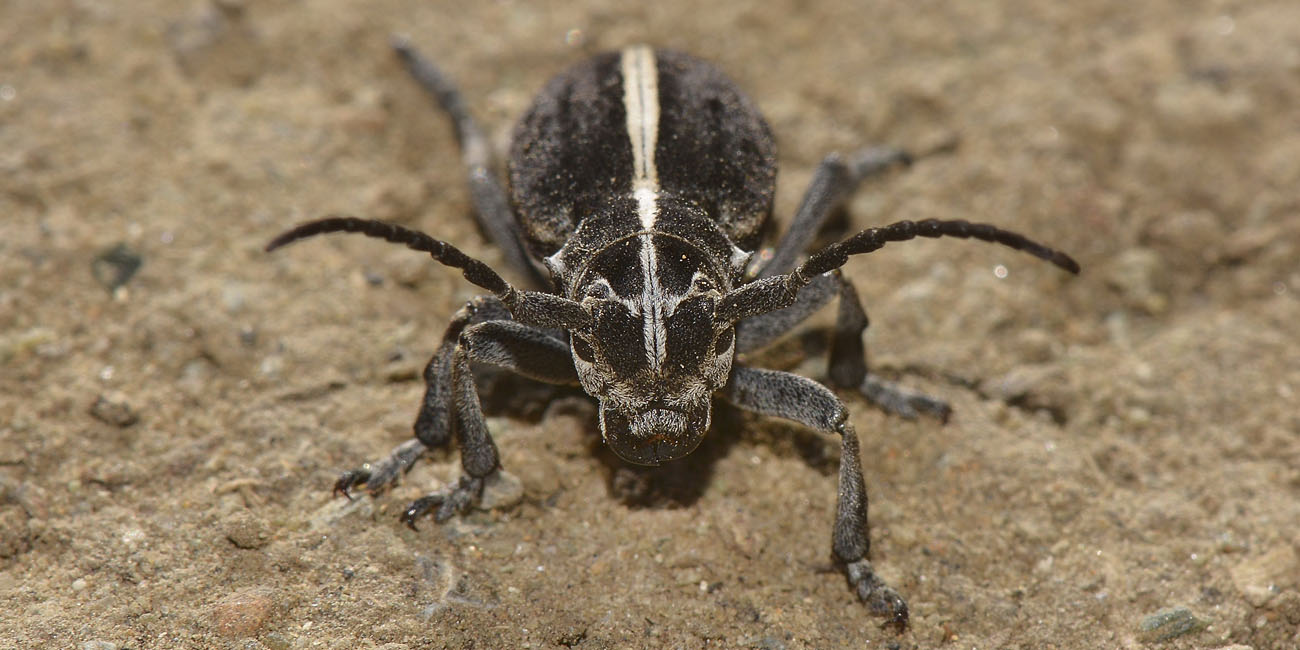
1122	468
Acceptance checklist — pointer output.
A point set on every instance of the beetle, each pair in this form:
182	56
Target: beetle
639	184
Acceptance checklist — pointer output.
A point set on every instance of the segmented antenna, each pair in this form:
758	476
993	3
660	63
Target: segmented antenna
872	239
529	307
475	271
778	291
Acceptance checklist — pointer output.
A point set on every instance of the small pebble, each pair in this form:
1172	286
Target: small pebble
112	408
1035	346
246	531
276	641
1136	274
1261	578
233	297
243	613
99	645
502	491
736	527
1169	624
409	270
216	43
79	584
113	267
1189	106
15	532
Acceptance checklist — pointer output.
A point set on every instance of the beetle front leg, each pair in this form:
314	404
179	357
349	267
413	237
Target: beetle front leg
789	396
379	475
529	351
478	452
433	426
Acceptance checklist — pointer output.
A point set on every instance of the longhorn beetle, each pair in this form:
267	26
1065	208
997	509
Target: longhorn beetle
639	184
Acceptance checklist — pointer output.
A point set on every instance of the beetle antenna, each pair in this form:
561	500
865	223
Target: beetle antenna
531	306
475	271
770	294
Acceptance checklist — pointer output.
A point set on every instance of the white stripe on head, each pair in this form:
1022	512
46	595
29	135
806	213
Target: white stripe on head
641	104
654	324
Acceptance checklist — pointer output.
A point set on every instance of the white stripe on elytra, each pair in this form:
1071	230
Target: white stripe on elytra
641	104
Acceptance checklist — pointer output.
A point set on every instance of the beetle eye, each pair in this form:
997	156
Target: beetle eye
583	350
724	341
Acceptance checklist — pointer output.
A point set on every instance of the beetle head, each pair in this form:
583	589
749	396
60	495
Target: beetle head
654	353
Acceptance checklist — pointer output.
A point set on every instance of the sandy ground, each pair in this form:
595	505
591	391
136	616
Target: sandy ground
1123	467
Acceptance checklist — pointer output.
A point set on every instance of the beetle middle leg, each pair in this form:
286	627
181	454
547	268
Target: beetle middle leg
833	183
789	396
848	355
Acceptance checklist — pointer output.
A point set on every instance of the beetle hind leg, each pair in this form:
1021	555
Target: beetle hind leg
490	203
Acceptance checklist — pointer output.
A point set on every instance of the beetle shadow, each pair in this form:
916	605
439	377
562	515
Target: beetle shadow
678	484
503	393
681	483
674	485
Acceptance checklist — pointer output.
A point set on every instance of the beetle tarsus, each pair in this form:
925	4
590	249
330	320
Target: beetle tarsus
880	598
904	403
350	479
380	475
449	501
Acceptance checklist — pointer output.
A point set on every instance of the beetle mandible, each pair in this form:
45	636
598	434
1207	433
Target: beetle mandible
639	185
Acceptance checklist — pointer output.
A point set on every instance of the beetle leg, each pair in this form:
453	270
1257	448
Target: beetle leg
433	424
848	364
834	181
529	351
848	356
789	396
759	331
490	204
379	475
433	428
